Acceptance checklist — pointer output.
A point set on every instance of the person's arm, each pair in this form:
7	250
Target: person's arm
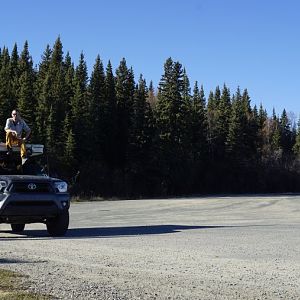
8	129
27	134
27	130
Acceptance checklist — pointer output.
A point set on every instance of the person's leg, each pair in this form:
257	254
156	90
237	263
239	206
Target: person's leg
10	141
22	148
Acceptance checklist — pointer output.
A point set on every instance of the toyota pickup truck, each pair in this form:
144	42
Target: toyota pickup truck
28	195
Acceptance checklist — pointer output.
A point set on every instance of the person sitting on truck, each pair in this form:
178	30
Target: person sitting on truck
14	129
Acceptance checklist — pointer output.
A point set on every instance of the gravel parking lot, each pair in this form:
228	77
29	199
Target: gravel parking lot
188	248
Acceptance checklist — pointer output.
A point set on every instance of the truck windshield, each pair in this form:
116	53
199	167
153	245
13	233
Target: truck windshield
14	167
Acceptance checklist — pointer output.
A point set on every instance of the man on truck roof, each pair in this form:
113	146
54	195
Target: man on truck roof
14	129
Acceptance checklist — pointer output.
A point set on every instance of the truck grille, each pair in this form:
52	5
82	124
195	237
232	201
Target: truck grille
31	187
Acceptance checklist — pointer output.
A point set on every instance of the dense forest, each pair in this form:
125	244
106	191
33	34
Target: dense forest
109	134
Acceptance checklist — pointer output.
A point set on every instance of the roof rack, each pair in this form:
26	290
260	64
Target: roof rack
34	149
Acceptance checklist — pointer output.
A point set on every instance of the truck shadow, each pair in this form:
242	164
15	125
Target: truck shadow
131	230
100	232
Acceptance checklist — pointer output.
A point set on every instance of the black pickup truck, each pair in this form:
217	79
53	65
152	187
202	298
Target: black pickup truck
27	195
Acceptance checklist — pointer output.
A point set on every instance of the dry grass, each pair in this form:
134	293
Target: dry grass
11	288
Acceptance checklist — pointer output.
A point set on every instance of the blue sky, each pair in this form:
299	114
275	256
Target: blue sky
254	44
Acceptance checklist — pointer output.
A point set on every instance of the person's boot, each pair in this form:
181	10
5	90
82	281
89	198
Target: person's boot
24	158
9	151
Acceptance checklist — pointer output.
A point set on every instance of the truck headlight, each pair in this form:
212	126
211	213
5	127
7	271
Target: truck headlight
61	186
3	185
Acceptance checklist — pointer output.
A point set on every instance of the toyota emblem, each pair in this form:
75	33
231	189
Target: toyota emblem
31	186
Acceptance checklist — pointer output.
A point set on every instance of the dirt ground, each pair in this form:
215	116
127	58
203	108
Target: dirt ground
188	248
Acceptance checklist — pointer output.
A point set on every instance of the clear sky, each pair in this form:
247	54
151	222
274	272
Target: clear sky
253	44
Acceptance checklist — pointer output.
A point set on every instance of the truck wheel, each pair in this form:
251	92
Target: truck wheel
17	227
59	225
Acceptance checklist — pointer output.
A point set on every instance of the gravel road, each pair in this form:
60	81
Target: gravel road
191	248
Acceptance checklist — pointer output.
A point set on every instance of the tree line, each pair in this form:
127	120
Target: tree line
111	135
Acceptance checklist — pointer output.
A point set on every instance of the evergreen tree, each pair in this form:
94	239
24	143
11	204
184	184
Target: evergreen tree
80	112
287	137
43	92
142	125
250	129
5	88
51	90
296	146
199	124
59	90
235	133
98	109
69	72
69	146
45	101
186	94
50	134
110	142
26	100
218	113
262	116
172	119
124	95
262	135
14	78
224	113
171	111
242	137
187	112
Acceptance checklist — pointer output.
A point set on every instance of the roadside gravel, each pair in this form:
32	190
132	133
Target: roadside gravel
192	248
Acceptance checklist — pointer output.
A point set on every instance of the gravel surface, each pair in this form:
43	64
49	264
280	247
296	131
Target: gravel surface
191	248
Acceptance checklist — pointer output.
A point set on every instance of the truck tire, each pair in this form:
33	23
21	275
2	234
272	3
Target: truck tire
59	225
17	227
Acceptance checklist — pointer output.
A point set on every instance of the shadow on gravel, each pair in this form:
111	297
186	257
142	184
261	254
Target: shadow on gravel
11	261
99	232
6	261
132	230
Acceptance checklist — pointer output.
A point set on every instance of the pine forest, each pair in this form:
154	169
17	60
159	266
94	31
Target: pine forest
112	134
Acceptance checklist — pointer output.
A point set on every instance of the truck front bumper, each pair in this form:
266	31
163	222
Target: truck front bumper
29	208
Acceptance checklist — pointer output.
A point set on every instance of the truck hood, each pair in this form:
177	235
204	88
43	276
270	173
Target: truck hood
16	178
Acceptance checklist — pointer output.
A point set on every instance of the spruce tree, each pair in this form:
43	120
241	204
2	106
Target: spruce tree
50	134
141	132
171	110
98	107
80	112
43	92
5	88
26	98
199	124
124	95
69	145
14	78
275	150
235	133
172	119
296	146
59	91
218	113
250	129
69	72
110	142
287	137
